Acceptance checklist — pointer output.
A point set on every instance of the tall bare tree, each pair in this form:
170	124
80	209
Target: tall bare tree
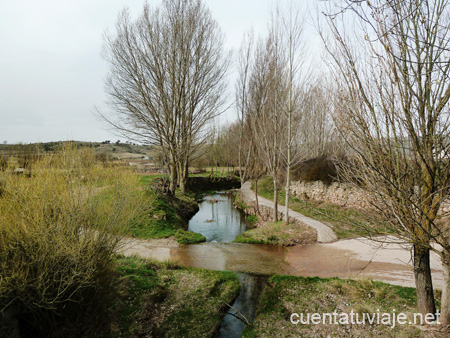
291	30
246	140
166	80
318	133
394	115
266	98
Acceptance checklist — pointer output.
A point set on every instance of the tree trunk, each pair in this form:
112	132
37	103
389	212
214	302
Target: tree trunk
256	196
424	284
275	199
172	178
445	298
288	184
183	174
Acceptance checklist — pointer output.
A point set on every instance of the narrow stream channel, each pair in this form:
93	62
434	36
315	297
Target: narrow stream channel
220	222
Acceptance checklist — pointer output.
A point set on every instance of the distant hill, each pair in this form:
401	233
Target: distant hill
116	150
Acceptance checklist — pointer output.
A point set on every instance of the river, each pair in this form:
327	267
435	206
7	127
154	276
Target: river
220	222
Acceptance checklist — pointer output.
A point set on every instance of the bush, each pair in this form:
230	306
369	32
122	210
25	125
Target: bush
27	155
3	162
103	158
58	238
189	237
316	169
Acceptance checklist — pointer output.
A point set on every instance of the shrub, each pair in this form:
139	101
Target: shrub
3	162
316	169
58	237
103	158
27	155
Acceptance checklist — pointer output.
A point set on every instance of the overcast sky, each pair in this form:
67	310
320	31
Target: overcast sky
51	71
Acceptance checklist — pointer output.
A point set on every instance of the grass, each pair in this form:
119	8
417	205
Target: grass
167	216
252	219
279	233
346	223
164	300
58	228
288	294
164	216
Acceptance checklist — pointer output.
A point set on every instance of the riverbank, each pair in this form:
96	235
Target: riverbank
279	233
303	297
352	258
345	222
166	300
166	216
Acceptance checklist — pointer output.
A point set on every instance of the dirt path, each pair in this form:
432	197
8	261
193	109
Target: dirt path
324	233
388	262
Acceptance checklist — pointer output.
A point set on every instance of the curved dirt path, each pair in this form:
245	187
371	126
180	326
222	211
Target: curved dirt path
324	233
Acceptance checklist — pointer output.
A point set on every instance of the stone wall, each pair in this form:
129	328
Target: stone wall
340	194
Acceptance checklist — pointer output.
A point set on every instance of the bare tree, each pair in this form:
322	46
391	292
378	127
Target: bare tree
166	78
246	140
318	133
291	25
266	98
394	115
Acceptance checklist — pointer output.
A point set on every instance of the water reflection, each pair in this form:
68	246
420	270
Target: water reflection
217	219
220	223
239	257
244	308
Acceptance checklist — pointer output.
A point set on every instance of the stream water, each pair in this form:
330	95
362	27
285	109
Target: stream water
220	222
217	219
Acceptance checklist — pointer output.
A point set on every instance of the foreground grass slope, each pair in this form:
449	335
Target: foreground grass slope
287	294
161	300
